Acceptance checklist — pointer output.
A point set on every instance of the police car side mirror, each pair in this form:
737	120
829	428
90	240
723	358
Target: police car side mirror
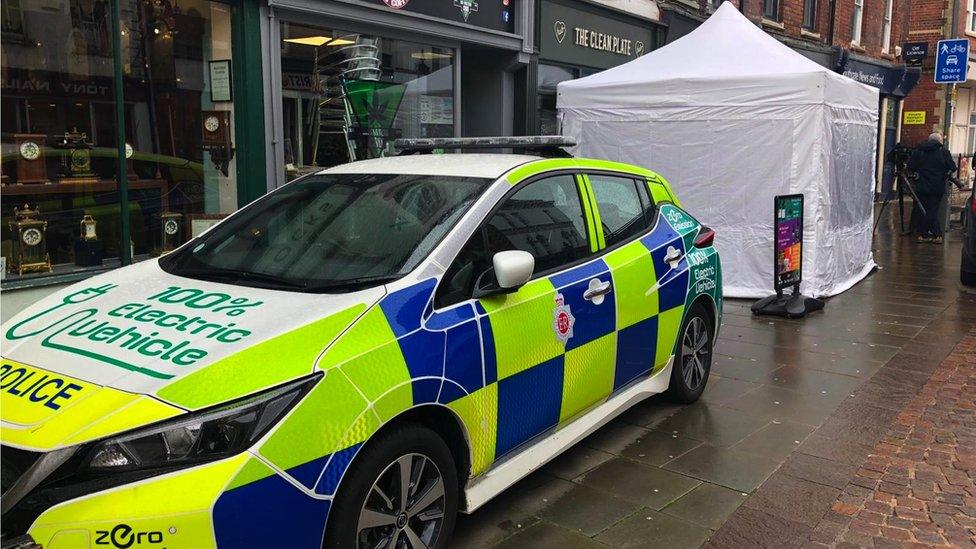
513	268
510	270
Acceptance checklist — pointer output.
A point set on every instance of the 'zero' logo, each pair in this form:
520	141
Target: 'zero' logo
123	537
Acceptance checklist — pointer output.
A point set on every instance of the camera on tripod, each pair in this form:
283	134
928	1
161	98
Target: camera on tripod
900	154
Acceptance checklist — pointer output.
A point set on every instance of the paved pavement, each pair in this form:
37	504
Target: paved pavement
917	483
793	415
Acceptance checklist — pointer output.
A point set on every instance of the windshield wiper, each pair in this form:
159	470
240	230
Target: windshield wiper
351	283
235	275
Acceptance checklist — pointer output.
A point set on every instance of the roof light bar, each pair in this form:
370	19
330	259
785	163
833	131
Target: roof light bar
519	142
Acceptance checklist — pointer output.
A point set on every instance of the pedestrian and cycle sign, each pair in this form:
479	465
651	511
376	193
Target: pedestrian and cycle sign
951	61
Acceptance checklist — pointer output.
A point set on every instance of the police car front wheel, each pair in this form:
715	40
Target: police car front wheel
402	492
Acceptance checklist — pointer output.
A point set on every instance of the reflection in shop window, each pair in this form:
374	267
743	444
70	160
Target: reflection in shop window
346	96
58	134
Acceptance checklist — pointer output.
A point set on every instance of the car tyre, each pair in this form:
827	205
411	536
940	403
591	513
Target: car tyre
369	510
693	358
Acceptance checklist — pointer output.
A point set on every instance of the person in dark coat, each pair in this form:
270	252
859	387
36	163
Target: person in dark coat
932	163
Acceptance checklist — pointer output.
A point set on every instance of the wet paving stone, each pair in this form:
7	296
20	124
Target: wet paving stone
752	528
716	425
614	437
576	461
729	468
741	368
548	536
833	449
777	440
649	486
720	390
649	412
587	510
648	528
817	469
793	499
778	403
707	505
806	380
659	447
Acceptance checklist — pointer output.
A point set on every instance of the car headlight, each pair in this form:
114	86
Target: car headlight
198	437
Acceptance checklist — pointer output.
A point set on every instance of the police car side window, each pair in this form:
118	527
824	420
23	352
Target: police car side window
624	212
544	218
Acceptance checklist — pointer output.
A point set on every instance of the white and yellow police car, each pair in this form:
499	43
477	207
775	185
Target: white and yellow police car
355	357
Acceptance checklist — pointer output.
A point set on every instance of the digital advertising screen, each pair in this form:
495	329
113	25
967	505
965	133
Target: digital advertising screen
788	227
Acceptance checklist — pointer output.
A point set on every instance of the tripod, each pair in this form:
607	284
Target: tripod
903	178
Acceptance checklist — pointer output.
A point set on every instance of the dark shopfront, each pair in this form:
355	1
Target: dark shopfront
189	141
577	39
357	75
893	82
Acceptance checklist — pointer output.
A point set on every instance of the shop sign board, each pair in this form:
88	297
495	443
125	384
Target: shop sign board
951	61
220	81
578	37
914	53
914	118
788	240
498	15
885	78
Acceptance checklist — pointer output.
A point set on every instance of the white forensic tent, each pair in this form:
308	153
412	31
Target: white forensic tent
732	117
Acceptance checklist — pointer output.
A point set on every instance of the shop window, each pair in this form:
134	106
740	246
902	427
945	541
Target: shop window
810	15
58	130
347	96
856	21
771	9
11	20
549	77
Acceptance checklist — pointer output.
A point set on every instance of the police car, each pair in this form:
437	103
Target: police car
355	357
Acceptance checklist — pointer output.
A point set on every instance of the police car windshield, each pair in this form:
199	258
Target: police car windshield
330	233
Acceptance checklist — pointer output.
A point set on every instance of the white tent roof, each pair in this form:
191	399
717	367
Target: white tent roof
727	60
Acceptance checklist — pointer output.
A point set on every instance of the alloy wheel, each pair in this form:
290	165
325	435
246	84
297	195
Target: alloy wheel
405	506
695	353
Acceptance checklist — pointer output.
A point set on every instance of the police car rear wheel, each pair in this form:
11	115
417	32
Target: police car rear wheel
401	493
694	357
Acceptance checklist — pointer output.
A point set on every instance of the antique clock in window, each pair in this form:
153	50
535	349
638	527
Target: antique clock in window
88	250
172	223
216	139
29	251
76	162
31	166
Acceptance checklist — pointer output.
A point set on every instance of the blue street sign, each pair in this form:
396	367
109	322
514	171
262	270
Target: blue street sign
951	60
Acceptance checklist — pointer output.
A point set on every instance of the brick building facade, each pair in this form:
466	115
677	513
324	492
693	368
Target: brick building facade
932	20
863	39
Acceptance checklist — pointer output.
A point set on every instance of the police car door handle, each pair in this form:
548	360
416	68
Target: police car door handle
596	291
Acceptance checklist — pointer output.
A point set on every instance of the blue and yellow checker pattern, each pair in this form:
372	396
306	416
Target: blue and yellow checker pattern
496	363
